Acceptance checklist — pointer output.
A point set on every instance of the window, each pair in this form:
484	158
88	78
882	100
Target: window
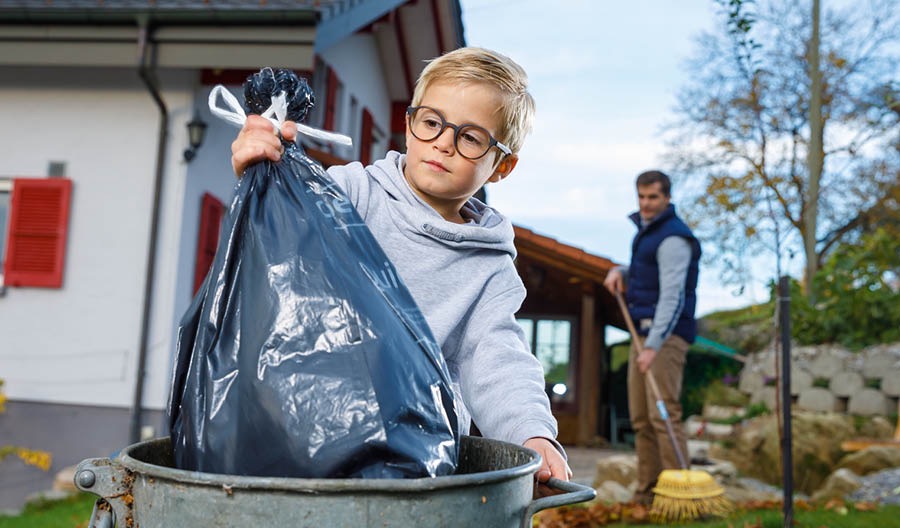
366	138
333	93
551	341
38	221
211	212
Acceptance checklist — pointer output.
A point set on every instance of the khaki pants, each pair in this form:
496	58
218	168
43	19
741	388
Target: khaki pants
652	443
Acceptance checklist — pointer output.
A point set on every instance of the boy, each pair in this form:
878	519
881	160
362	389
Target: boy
469	116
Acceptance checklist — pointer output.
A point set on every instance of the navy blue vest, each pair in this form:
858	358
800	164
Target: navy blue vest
643	272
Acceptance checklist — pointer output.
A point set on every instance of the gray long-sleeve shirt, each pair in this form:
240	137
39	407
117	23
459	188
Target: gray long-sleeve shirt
464	280
673	257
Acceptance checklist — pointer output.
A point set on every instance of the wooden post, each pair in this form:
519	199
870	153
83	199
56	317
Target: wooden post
588	369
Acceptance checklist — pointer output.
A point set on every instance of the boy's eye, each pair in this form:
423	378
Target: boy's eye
431	122
473	137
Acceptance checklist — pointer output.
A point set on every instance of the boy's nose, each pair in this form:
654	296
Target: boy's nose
444	141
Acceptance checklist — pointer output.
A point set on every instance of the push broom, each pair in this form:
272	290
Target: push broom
682	494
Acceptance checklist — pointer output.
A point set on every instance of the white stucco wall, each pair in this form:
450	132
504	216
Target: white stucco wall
79	344
356	62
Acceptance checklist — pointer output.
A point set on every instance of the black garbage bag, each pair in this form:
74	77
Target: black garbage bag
302	354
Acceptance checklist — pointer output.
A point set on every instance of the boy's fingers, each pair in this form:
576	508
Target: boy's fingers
289	131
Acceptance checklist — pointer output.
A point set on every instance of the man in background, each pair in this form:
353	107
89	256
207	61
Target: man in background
660	286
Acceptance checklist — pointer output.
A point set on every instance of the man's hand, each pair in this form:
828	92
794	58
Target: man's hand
257	141
552	463
645	358
613	281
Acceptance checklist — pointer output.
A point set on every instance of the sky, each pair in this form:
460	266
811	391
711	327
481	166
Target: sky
604	75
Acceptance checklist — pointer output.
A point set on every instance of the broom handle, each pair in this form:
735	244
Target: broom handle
654	388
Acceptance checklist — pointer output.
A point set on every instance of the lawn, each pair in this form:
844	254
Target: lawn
75	512
70	513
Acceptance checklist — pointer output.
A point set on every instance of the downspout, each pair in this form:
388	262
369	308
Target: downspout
146	74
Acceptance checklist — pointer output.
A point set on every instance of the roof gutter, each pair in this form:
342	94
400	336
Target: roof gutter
147	74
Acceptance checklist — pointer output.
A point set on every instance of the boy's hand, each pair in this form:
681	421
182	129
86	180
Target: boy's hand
552	464
258	141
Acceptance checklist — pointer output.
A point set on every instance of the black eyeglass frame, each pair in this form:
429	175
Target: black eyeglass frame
446	124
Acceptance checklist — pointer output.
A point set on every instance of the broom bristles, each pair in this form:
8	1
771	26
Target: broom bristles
684	495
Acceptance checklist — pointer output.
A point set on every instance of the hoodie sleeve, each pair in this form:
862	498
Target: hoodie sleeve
501	382
354	181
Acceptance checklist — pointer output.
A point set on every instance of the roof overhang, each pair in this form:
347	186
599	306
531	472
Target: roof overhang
182	38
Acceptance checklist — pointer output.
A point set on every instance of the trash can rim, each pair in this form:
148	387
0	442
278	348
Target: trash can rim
319	485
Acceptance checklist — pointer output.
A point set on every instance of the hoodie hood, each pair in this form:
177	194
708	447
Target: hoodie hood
486	227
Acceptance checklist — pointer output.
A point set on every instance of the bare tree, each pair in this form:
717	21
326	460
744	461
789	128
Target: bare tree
740	143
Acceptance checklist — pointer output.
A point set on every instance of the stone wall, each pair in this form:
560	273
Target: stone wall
830	378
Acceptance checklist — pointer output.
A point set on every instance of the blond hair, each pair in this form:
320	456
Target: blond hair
479	65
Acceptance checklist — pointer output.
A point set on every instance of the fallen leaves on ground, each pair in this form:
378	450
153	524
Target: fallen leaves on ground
598	514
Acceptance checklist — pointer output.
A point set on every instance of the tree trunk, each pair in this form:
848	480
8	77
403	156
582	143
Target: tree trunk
816	155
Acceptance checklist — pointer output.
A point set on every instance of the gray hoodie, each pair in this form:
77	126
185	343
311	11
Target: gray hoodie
463	278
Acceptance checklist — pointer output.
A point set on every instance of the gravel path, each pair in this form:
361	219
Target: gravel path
882	487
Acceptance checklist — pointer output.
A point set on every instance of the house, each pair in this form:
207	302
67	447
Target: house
566	311
105	219
115	177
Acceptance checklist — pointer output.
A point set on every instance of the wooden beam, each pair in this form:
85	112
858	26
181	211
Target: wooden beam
588	372
562	263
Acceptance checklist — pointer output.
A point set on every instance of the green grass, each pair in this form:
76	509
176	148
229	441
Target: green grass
69	513
75	512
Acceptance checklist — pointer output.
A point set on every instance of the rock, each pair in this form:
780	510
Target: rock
879	361
752	378
871	459
749	489
618	468
841	482
870	402
722	412
716	431
877	427
890	383
698	450
882	488
800	380
816	439
828	363
817	399
766	396
47	496
611	492
694	426
846	383
722	470
65	480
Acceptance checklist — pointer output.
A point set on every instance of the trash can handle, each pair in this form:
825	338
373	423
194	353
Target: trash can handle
110	481
574	493
101	517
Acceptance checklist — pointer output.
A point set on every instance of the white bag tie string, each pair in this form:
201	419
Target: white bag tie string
276	113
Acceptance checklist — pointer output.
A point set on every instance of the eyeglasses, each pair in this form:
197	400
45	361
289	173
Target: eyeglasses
471	141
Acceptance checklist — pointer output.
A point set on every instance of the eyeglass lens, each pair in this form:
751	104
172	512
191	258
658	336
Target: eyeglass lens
471	141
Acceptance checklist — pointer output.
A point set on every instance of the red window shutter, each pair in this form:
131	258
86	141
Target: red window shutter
38	225
365	142
211	212
331	87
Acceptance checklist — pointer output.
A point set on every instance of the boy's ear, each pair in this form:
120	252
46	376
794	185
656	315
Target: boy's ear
506	165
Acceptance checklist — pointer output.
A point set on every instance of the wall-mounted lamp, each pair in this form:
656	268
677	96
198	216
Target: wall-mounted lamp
196	132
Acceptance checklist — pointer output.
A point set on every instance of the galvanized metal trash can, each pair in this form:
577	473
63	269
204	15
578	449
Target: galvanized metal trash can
492	488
